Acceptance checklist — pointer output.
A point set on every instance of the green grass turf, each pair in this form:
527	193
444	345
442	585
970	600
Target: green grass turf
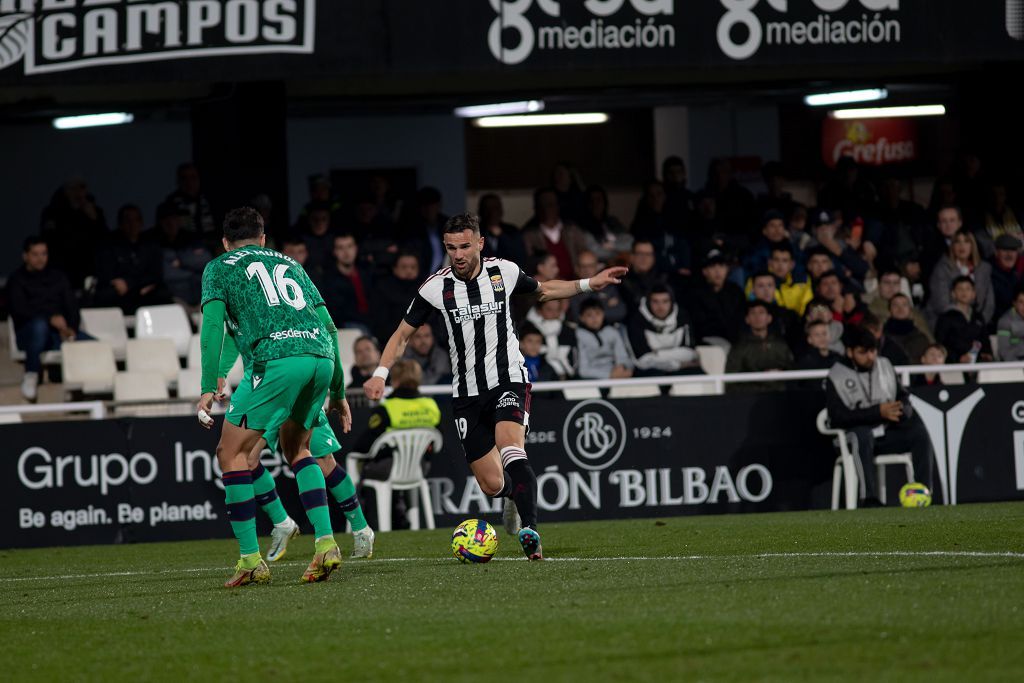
723	614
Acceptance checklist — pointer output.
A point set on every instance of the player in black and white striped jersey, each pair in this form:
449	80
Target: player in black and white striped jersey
490	386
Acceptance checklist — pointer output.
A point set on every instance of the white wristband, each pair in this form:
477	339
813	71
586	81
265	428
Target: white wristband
381	372
585	285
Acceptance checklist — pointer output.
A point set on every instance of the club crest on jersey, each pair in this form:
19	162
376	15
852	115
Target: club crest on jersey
497	283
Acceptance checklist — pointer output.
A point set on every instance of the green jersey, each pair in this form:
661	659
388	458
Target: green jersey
270	304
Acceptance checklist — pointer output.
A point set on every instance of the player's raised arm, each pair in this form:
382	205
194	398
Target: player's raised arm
566	289
393	350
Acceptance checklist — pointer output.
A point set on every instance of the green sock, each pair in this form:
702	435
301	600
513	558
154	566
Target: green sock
240	498
344	491
313	493
266	495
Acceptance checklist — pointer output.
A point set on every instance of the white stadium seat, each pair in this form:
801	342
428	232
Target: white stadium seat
18	356
139	386
581	394
189	382
153	355
107	324
635	391
10	418
346	340
169	321
88	365
952	378
1000	376
712	359
195	353
693	389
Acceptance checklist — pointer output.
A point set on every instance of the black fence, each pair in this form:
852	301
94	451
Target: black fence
155	479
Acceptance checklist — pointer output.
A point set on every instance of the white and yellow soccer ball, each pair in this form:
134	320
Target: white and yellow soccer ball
915	495
474	541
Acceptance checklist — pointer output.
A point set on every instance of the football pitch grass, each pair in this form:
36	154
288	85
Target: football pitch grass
884	594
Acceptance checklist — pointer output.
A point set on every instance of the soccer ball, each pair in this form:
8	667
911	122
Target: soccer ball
915	495
474	541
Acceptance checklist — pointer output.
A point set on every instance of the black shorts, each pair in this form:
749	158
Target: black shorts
476	416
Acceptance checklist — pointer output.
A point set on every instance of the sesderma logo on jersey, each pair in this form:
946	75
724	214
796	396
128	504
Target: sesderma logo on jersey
295	334
60	35
608	25
837	22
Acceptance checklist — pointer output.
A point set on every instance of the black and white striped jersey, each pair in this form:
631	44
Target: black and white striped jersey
482	338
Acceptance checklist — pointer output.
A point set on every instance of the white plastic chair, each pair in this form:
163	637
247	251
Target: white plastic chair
195	353
847	468
165	321
993	340
107	324
1001	376
88	365
190	382
712	359
18	356
139	386
10	418
346	340
153	355
952	378
693	389
408	446
581	393
635	391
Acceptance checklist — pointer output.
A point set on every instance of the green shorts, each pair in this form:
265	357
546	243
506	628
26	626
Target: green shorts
322	442
273	392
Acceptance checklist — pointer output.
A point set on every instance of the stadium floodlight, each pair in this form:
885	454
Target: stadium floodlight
499	109
889	112
827	99
541	120
92	120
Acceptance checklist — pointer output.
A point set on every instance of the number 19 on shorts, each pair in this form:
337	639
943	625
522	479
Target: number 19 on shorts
463	426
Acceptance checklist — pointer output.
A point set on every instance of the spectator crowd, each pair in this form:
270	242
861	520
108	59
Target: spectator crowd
774	283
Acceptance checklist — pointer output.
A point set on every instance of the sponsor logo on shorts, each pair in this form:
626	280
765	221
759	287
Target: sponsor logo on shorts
295	334
508	400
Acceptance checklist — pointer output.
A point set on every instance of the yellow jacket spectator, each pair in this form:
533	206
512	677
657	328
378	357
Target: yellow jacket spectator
788	292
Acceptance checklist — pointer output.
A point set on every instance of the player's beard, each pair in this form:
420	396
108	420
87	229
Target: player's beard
470	267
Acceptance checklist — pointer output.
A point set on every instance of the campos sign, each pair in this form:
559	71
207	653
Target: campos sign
61	35
871	142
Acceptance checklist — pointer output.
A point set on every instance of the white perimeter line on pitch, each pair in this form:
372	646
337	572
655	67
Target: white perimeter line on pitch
642	558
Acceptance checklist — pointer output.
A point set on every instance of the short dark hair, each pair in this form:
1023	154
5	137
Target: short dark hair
641	240
591	302
757	303
1015	294
125	209
659	288
343	235
870	321
817	251
243	223
859	337
463	221
528	328
368	338
828	273
761	273
30	242
960	279
782	247
898	295
291	240
814	323
427	195
889	270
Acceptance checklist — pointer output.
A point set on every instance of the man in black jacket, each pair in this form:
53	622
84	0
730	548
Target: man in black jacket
43	308
392	294
717	305
129	270
347	287
864	396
